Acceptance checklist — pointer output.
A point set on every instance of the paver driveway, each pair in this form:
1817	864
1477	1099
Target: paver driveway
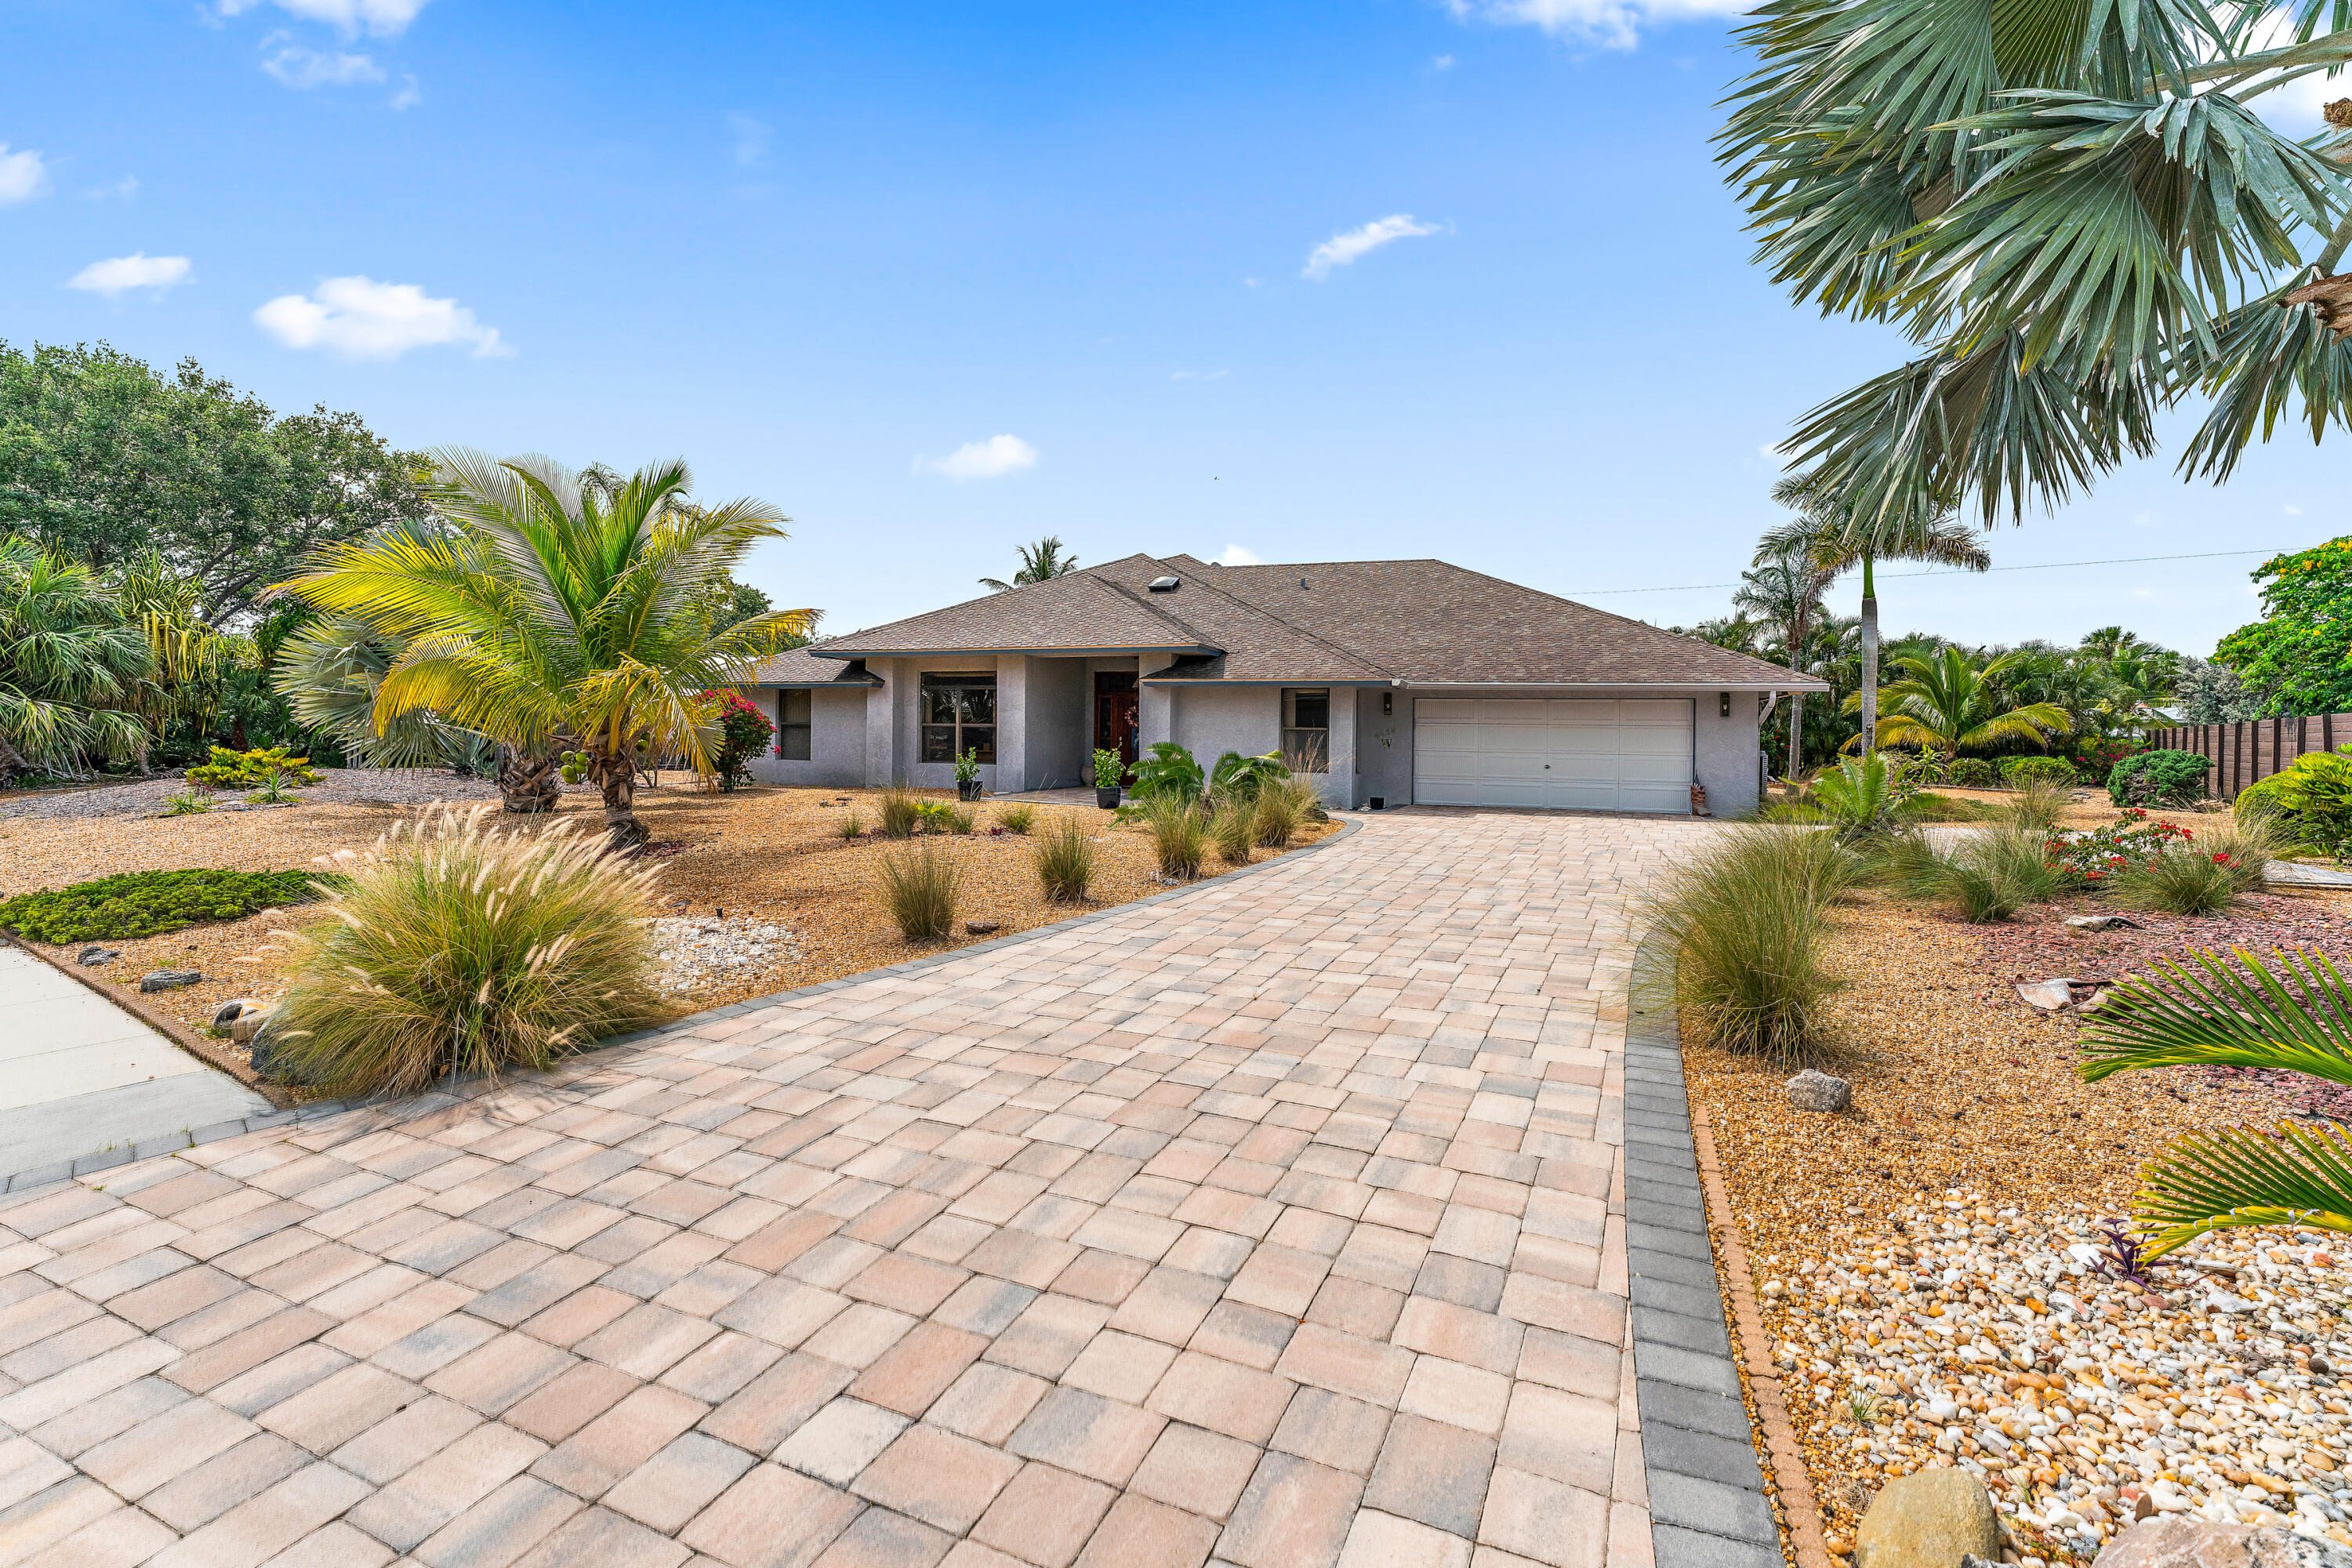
1276	1224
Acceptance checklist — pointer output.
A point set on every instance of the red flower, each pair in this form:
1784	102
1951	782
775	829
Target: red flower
2220	859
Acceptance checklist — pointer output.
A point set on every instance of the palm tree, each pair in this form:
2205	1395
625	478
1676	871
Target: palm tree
1952	704
2297	1017
73	672
1830	532
558	611
2108	644
2075	212
1784	589
1039	562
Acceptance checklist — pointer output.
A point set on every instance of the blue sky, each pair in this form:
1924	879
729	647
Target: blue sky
939	280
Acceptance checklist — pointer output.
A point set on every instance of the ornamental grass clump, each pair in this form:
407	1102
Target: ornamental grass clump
1281	807
1993	873
1018	818
921	886
458	945
1064	859
1180	834
2038	803
1232	827
900	811
1744	917
2200	876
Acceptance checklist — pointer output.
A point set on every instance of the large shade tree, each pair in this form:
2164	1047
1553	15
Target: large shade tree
2074	211
556	610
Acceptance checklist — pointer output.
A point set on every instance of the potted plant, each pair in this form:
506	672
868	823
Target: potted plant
1108	766
967	768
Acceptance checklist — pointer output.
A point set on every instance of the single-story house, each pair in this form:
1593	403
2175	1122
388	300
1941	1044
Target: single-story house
1391	682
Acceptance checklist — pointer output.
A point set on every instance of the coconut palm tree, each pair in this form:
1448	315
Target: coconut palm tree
2075	212
73	671
1039	562
1952	704
557	615
1784	589
1830	532
2295	1018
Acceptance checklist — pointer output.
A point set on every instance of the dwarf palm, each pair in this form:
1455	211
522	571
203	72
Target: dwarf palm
1831	533
2295	1018
556	610
1949	704
72	670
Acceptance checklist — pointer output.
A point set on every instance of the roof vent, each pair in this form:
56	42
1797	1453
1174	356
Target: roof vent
1162	584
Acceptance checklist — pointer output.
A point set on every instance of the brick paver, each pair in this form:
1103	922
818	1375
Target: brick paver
1278	1225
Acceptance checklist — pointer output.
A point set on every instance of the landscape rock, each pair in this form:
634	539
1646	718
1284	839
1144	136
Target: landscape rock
982	928
2103	922
1813	1090
1931	1520
2186	1543
96	956
2049	995
247	1026
229	1011
169	979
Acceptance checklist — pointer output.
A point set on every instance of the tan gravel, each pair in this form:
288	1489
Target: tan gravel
775	856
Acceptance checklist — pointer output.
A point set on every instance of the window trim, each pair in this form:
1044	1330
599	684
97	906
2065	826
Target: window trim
929	681
1304	747
802	728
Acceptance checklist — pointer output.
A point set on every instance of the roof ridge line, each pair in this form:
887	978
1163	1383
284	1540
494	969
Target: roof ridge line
1356	653
1200	637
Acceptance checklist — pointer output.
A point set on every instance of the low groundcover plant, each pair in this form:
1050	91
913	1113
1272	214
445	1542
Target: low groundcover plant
458	943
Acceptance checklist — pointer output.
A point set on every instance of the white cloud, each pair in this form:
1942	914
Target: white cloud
300	67
1614	23
408	97
990	459
360	317
1441	63
122	274
384	18
123	190
1237	555
1344	250
1197	375
2292	510
750	138
23	175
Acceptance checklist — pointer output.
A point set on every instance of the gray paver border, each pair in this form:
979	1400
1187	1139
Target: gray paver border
105	1159
1699	1450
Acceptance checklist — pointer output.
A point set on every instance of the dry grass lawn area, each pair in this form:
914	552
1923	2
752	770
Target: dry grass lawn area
1959	1084
775	856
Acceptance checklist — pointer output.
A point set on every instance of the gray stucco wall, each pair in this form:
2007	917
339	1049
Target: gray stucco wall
1383	748
836	758
1057	724
1210	721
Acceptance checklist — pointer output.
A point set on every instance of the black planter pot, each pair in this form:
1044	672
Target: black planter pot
1107	798
967	789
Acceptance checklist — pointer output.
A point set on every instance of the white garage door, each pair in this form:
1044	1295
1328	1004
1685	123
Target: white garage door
1592	755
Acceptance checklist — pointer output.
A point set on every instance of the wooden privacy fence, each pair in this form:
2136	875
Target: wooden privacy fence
2253	748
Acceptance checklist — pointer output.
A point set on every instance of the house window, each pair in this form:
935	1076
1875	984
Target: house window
1307	729
793	726
959	715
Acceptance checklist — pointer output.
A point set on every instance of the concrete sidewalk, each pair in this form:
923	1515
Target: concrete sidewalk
79	1074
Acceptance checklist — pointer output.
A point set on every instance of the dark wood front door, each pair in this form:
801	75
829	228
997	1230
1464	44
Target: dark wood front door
1114	715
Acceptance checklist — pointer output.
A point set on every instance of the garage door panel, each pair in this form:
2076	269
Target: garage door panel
1575	754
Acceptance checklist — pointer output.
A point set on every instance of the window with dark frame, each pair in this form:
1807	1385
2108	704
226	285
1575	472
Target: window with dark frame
959	714
1307	729
792	725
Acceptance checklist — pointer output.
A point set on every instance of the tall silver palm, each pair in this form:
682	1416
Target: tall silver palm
1837	542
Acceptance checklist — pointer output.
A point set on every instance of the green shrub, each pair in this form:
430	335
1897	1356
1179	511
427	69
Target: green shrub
2019	772
459	943
743	733
230	769
939	816
150	903
919	886
188	802
1180	833
1968	772
272	791
1170	772
1108	770
1245	776
1017	818
1064	859
1744	915
2157	778
1232	825
2308	803
900	811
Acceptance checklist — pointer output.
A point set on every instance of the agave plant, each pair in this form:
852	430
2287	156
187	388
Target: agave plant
2295	1018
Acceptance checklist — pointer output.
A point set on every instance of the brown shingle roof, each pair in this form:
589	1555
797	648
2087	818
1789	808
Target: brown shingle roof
1434	623
1084	610
798	667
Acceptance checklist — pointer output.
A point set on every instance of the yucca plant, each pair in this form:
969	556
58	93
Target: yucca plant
458	943
921	886
1180	834
1064	859
2294	1017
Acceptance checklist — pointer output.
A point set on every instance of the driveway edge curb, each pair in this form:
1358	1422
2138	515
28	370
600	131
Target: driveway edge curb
1700	1448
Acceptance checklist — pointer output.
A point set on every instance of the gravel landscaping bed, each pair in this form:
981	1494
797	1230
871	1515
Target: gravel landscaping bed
1963	1094
339	786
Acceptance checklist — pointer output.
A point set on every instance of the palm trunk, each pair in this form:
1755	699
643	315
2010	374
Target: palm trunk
616	776
528	783
1869	659
1796	732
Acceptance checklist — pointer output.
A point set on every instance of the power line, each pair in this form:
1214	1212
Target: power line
2039	567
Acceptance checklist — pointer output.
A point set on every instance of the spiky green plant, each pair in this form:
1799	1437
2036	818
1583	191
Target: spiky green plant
899	811
1858	794
1232	823
459	943
1180	836
1064	859
2295	1018
920	886
1019	817
72	670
